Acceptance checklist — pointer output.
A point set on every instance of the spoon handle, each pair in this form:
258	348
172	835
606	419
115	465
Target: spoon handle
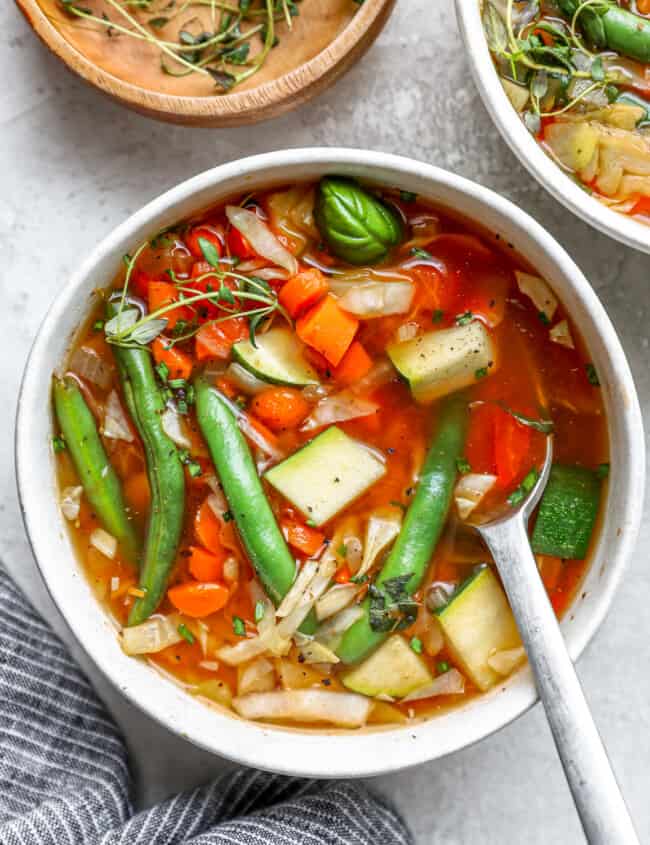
601	807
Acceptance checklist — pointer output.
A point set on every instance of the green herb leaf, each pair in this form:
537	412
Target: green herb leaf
222	78
238	626
592	375
495	29
59	444
543	426
98	325
437	315
597	69
480	373
407	196
418	252
237	55
144	333
185	633
463	466
342	550
416	645
210	252
543	318
442	666
163	371
524	488
602	471
227	516
260	610
464	319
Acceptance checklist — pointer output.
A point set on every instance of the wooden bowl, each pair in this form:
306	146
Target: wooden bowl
286	87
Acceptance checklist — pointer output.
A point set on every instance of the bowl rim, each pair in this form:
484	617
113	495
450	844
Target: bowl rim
261	102
292	751
550	175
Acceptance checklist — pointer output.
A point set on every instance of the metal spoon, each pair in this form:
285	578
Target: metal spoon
601	807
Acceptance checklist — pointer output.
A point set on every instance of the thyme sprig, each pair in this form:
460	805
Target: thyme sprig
218	54
235	295
534	61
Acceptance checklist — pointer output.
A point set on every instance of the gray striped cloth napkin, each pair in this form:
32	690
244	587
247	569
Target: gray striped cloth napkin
64	776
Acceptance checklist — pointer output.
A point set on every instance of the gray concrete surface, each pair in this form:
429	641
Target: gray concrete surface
73	164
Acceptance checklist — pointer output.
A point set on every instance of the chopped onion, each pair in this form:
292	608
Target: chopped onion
382	529
538	292
298	588
71	502
439	594
245	380
407	331
209	665
561	333
157	633
432	638
104	542
251	266
88	364
271	274
258	676
335	599
449	683
339	624
315	652
261	238
231	570
503	662
175	427
470	490
313	591
369	300
116	423
339	407
308	705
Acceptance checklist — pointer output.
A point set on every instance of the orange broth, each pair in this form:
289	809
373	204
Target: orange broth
468	271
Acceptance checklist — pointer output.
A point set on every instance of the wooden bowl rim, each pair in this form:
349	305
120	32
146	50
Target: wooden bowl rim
273	93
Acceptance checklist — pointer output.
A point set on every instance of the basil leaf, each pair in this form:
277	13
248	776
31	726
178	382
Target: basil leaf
356	225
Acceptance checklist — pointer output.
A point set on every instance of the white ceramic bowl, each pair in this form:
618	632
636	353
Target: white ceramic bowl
298	752
526	148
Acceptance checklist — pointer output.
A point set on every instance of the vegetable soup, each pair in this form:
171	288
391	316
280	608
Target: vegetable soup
578	74
274	433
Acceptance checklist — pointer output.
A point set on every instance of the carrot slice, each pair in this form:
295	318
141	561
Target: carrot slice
205	565
303	290
207	528
215	340
164	293
301	536
280	407
198	599
177	362
328	329
354	365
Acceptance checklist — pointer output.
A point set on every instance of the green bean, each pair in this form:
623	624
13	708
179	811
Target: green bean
242	487
608	27
146	406
98	478
407	563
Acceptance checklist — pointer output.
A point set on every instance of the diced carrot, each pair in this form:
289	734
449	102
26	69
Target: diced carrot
207	528
164	293
137	493
318	361
139	283
643	7
177	362
328	329
208	233
303	290
198	599
280	408
205	565
215	340
226	387
343	574
354	365
301	536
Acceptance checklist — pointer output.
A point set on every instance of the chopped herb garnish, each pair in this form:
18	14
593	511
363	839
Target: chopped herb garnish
464	319
260	609
518	495
210	252
185	633
238	626
98	326
543	426
193	467
227	516
543	318
437	315
59	444
177	383
416	645
421	253
463	466
359	579
163	371
602	471
592	375
442	667
311	523
397	504
407	196
481	373
342	550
